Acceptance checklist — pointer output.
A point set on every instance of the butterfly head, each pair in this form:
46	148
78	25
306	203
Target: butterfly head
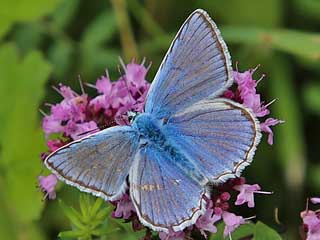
132	116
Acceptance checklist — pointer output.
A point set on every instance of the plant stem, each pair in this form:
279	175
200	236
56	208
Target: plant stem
126	35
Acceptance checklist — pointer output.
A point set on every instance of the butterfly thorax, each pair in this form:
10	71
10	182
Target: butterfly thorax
150	134
149	130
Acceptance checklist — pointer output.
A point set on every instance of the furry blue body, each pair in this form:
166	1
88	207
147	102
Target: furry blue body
152	133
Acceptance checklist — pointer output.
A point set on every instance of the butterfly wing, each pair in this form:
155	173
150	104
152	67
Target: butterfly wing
98	164
217	135
162	194
197	65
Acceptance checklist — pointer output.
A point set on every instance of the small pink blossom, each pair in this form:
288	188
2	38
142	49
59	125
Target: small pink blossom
247	89
104	85
54	144
312	221
232	222
265	127
315	200
72	109
48	184
246	94
126	94
180	235
246	194
206	222
124	208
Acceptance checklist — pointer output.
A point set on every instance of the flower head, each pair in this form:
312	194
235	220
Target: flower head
206	222
265	127
70	111
48	184
124	208
315	200
232	222
246	194
246	94
117	98
312	222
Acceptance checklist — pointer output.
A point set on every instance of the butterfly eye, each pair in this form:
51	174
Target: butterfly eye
130	118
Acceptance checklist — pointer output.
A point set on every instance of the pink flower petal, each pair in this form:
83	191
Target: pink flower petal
246	194
232	222
48	184
315	200
265	127
124	208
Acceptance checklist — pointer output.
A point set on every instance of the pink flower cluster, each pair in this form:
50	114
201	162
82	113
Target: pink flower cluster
246	93
311	222
78	115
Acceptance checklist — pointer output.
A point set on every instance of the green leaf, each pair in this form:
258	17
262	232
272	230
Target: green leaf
70	234
308	8
242	231
243	12
84	206
264	232
28	36
60	55
94	61
23	11
21	141
100	30
95	208
64	13
288	41
72	215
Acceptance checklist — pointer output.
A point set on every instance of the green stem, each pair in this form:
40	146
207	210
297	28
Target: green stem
144	18
290	146
126	35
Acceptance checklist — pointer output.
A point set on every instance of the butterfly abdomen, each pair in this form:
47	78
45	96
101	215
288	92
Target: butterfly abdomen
149	131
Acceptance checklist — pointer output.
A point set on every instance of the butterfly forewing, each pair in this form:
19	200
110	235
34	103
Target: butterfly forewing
98	164
196	66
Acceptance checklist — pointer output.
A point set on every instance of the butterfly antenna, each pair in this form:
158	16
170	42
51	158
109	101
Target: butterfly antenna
90	131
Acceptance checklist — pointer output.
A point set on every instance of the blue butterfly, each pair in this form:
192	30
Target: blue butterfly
187	138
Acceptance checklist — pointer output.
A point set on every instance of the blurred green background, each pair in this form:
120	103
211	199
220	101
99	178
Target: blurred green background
43	43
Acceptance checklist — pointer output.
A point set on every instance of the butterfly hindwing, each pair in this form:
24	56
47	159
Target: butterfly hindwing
99	163
217	135
197	65
162	194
